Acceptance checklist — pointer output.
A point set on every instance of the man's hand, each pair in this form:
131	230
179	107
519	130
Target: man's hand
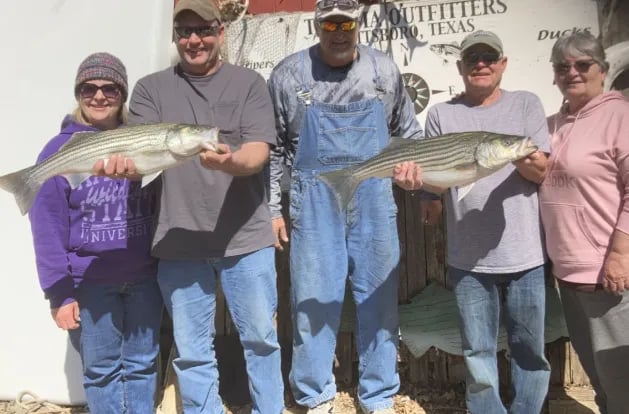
533	166
279	230
67	316
430	211
117	166
222	159
408	176
249	159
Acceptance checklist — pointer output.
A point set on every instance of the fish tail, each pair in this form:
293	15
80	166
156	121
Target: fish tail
23	189
343	184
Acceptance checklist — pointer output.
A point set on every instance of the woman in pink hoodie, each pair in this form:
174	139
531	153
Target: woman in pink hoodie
585	211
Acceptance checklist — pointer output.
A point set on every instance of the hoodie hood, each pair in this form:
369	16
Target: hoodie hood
69	125
594	105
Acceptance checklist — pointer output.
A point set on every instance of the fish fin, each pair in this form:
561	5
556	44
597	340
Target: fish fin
343	185
76	137
76	179
147	179
461	192
21	187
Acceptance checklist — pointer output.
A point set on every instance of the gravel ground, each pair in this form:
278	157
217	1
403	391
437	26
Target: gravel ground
411	401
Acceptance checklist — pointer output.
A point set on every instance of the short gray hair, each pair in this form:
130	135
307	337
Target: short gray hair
577	45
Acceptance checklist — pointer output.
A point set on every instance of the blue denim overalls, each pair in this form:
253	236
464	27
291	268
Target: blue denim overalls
327	245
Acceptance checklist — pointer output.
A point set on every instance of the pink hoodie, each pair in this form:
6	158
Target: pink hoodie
584	196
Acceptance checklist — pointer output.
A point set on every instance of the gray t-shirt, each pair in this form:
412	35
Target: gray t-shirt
496	228
344	85
204	213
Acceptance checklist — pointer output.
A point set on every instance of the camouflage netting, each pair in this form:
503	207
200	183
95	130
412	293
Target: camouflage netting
261	38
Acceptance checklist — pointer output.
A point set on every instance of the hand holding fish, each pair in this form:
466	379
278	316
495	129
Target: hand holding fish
249	159
67	317
117	166
221	159
279	230
408	175
533	166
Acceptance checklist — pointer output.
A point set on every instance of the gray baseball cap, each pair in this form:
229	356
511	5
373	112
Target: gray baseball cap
484	37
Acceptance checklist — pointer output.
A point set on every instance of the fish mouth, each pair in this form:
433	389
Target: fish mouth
528	147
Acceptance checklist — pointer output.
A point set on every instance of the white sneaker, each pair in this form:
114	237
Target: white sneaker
323	408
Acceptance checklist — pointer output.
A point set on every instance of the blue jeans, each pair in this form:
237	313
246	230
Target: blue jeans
327	248
249	284
478	297
119	343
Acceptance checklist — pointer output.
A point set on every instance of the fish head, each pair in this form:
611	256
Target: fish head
186	140
497	150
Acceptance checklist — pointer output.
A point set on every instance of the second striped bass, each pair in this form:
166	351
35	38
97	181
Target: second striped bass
449	160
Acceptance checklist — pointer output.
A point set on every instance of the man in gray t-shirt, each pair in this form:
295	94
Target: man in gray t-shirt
495	245
214	220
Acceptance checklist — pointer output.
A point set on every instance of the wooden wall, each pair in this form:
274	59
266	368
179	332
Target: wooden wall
273	6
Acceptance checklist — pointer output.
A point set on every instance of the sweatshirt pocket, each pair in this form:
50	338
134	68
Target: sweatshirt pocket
569	238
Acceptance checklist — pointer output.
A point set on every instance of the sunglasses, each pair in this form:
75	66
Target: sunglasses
328	26
89	90
184	32
325	5
580	66
485	57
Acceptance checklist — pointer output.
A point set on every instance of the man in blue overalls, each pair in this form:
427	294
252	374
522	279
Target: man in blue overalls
336	104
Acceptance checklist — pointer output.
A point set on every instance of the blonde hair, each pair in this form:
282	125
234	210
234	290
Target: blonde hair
79	116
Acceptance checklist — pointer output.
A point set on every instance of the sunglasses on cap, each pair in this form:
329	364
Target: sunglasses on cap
580	66
485	57
325	5
89	90
184	32
328	26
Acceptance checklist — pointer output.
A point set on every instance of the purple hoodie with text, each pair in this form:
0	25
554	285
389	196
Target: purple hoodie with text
98	232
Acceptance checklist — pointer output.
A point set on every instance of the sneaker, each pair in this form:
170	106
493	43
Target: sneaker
323	408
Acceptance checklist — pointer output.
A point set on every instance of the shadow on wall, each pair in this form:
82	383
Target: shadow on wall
73	369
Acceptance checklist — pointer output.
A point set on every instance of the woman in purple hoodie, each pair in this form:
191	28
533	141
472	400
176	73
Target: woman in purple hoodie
92	245
585	210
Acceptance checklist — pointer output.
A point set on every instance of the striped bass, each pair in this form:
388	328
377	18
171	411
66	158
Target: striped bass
153	148
449	160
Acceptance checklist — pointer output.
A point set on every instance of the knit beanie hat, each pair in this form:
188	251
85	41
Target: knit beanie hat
102	66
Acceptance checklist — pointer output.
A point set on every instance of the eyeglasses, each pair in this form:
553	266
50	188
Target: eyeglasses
485	57
580	66
346	26
184	32
325	5
89	90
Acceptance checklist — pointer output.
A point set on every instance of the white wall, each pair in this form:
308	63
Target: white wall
42	46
